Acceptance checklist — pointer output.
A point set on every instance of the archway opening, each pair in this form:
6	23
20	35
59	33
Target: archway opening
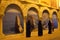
13	20
45	19
33	15
55	20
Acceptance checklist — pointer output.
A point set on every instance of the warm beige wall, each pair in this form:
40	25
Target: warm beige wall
59	2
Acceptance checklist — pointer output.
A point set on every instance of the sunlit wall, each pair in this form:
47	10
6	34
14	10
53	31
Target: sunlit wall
59	2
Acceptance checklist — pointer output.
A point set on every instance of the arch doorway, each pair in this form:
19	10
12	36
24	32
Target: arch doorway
33	14
45	19
12	20
55	19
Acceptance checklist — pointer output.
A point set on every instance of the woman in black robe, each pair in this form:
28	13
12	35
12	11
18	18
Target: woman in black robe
40	28
29	26
49	27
